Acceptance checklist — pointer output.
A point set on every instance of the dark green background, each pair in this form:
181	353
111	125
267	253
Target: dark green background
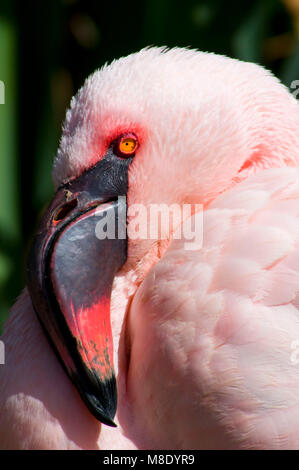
47	48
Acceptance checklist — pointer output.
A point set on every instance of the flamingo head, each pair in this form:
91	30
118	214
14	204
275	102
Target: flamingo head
157	127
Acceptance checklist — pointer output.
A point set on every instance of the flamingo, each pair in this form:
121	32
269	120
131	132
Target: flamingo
202	339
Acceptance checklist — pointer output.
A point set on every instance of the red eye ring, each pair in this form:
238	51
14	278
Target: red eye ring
126	145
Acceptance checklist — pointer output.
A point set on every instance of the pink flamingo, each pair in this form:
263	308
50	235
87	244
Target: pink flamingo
203	339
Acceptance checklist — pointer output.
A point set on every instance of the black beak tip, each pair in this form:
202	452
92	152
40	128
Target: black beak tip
99	396
103	411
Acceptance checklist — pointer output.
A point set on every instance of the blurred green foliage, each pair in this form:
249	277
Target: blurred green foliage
47	48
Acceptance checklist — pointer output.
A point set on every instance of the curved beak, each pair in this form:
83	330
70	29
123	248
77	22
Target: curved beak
80	245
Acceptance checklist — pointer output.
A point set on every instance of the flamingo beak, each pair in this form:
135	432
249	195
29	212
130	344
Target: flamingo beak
80	245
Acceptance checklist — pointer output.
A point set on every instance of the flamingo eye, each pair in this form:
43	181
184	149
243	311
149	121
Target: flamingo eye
126	145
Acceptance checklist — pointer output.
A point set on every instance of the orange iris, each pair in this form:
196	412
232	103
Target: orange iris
128	145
